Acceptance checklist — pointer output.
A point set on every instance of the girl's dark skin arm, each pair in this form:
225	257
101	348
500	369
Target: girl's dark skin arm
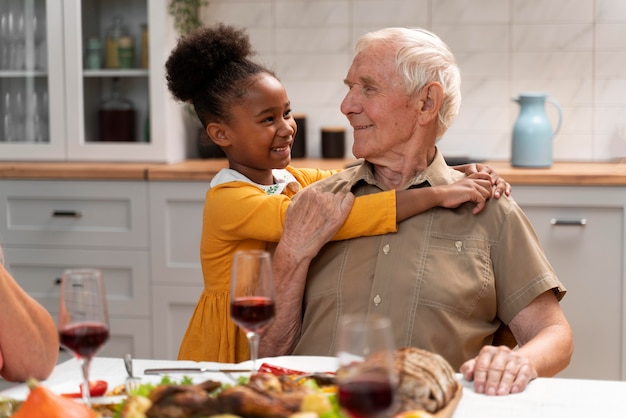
480	184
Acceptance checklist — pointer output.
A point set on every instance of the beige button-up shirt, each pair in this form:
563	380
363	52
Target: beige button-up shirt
447	278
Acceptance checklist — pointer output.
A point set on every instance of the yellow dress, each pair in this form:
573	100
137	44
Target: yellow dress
239	215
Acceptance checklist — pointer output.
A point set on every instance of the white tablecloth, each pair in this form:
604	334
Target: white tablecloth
544	397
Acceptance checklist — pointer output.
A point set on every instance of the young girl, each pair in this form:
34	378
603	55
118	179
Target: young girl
246	112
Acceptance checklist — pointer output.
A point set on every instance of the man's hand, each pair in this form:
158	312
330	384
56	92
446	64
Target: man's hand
501	186
498	371
313	218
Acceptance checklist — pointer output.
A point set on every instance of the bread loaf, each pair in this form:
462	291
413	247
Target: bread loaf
425	380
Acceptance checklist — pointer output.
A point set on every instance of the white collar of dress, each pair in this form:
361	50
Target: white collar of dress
281	179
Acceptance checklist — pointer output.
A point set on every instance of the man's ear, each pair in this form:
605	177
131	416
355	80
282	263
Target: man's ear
217	134
430	101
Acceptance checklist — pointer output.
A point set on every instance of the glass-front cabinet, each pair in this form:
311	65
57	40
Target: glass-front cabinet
84	80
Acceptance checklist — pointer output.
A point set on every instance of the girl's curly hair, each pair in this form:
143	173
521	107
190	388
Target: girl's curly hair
211	69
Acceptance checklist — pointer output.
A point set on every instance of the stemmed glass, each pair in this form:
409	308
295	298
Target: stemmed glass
252	296
83	317
366	378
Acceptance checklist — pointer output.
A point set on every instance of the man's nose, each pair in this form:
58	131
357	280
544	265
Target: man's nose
349	104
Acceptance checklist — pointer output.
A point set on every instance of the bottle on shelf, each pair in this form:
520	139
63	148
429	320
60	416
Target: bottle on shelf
125	53
116	31
93	60
117	117
144	46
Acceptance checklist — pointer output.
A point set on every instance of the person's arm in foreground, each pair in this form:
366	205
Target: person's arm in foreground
545	348
311	221
29	345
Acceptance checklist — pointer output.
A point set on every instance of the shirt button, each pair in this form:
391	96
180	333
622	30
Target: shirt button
377	300
386	249
458	245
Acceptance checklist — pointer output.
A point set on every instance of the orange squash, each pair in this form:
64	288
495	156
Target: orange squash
41	402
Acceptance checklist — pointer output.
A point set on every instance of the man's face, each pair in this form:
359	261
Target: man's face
383	116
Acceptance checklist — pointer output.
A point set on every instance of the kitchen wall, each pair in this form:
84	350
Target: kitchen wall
573	49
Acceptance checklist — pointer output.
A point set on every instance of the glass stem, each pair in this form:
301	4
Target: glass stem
84	364
253	342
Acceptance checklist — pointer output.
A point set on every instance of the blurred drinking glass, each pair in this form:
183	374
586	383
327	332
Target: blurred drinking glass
5	42
83	318
8	119
252	296
366	377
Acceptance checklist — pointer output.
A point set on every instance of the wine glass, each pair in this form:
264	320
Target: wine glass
83	317
366	378
252	296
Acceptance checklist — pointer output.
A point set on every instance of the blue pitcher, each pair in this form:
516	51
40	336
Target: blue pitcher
532	132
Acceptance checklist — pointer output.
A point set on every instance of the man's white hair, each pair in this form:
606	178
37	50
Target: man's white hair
422	57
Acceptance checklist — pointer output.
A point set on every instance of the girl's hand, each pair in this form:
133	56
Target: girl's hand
502	186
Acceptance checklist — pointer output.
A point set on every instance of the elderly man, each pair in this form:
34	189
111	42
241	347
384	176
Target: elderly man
448	279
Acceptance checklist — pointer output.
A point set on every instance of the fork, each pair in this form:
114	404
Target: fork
132	383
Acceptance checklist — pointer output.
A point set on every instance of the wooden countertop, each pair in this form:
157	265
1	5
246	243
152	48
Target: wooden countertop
561	173
564	173
190	170
206	169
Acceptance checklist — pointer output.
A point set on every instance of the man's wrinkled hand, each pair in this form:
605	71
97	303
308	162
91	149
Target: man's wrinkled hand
498	371
313	218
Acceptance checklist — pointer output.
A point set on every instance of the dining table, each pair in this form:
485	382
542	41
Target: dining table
544	397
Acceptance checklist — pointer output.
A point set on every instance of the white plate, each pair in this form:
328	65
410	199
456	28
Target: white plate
301	363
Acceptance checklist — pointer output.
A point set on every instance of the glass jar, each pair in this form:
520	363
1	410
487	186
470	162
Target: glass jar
93	57
117	117
116	31
126	56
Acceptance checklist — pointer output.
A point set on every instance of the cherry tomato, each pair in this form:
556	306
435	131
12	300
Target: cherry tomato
96	388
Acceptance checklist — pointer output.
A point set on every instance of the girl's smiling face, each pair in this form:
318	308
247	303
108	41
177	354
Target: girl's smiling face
260	130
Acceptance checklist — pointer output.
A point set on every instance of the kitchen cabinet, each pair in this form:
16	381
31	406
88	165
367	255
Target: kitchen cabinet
58	104
582	231
176	228
49	226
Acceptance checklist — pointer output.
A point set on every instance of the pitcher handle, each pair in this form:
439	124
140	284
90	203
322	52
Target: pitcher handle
558	108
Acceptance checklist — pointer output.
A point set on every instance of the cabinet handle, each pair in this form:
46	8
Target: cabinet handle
569	222
67	214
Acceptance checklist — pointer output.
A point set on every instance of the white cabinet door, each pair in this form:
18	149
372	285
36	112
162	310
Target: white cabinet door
172	307
176	228
32	105
94	214
126	277
68	95
159	134
582	230
125	273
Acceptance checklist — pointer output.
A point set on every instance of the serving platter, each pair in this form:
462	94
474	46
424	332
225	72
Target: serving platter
330	364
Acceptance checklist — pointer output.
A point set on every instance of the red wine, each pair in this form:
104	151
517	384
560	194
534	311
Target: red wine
252	313
84	339
365	398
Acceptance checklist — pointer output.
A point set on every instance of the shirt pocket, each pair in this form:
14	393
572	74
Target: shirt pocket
458	276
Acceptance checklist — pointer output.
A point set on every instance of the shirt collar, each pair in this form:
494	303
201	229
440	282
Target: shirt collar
436	174
281	177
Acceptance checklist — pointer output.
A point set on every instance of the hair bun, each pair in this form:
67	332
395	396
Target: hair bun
202	56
